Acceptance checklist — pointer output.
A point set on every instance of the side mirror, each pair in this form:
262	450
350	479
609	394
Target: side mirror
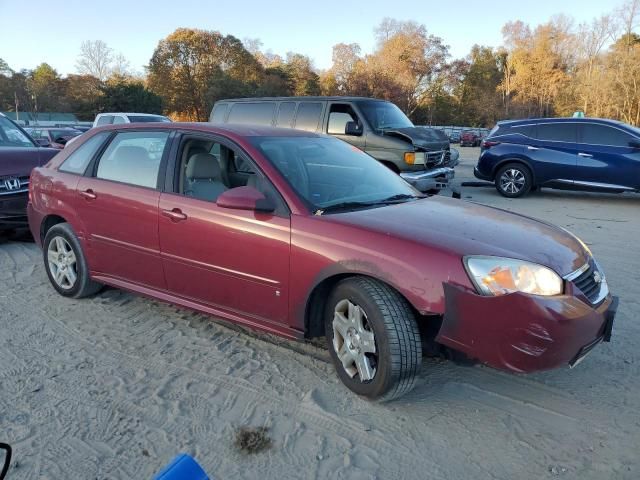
245	198
43	142
353	128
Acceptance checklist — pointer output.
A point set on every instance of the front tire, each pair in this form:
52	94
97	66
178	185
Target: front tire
373	339
514	180
65	263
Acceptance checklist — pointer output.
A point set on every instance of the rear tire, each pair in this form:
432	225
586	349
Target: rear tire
513	180
65	263
378	356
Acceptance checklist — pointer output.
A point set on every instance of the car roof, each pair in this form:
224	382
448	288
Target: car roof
300	99
526	121
131	113
226	129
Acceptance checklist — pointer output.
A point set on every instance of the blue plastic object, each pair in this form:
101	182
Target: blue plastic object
183	467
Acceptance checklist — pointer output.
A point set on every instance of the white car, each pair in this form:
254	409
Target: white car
116	118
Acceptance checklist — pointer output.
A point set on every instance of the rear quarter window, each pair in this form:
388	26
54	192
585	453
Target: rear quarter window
79	160
525	130
105	120
252	113
219	112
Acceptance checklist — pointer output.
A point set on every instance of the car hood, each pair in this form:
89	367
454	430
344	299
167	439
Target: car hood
19	161
465	228
421	138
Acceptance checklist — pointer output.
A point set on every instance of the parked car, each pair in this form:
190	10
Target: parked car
120	118
566	153
53	137
454	137
469	138
377	127
18	155
307	236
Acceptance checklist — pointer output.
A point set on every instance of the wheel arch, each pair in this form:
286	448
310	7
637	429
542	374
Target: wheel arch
48	222
315	304
520	161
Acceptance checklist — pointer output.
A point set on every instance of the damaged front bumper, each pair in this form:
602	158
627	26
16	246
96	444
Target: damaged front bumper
435	179
524	333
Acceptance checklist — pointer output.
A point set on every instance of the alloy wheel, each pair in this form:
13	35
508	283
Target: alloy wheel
354	341
62	262
512	181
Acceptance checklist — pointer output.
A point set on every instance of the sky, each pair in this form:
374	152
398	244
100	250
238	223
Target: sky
36	31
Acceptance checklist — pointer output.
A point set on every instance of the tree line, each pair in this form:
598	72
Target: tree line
552	69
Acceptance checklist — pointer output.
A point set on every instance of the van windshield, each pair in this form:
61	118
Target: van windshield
332	176
383	115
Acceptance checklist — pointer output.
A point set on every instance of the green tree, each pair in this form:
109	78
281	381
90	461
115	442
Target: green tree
128	96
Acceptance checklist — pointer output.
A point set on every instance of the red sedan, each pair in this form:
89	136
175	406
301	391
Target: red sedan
302	235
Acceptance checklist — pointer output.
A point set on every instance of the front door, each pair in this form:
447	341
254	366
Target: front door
119	207
235	260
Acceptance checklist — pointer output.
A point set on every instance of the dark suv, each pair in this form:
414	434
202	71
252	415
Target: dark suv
566	153
18	155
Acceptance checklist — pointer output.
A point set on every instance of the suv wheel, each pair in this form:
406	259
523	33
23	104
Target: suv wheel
65	263
513	180
373	339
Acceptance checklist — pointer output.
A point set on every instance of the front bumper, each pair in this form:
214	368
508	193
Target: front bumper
13	210
478	174
524	333
435	179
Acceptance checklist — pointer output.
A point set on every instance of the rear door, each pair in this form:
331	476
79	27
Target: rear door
607	157
118	205
235	260
554	152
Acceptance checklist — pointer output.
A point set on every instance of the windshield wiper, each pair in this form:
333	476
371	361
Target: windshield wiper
399	198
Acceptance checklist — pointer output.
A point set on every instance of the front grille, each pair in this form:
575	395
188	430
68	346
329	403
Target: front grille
588	283
11	185
435	158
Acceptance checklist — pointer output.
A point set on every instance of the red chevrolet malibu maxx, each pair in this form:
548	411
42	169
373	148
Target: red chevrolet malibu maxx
303	235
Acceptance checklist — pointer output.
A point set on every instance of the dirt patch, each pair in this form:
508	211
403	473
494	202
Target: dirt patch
252	439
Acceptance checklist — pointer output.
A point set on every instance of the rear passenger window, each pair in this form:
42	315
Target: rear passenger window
134	158
526	130
219	112
285	114
252	113
558	132
105	120
78	161
308	116
602	135
118	119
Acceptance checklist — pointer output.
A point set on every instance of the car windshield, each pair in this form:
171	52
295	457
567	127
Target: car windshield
331	175
147	118
383	115
12	136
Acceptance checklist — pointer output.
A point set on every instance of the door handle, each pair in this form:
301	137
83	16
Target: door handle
175	214
88	194
532	148
587	155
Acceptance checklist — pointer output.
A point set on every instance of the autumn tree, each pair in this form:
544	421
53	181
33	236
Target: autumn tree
188	68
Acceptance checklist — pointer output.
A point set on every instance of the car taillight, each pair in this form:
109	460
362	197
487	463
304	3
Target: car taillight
489	143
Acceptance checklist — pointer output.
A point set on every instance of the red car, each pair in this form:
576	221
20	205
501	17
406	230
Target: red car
469	138
303	235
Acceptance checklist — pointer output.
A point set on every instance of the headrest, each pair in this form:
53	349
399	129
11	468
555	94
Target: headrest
203	165
131	153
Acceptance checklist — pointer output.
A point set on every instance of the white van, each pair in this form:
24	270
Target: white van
116	118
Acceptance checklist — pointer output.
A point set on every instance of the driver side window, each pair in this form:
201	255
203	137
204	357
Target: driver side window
339	115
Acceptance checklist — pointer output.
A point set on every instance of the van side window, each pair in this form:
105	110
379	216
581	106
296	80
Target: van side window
285	114
339	115
602	135
219	112
308	116
118	119
252	113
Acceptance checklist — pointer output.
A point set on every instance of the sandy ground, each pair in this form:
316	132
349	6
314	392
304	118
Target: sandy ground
116	385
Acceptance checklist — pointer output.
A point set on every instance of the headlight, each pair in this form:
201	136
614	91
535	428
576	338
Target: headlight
499	276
